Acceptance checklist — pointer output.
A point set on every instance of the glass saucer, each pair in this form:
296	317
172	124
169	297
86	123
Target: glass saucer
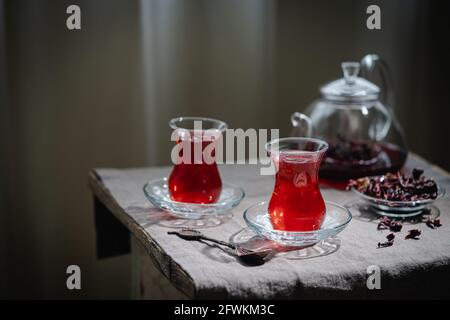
149	215
157	192
399	209
336	219
361	210
247	238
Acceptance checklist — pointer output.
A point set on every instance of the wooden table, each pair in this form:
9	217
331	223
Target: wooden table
167	267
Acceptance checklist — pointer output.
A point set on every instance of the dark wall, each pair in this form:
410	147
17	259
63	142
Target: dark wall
428	110
73	104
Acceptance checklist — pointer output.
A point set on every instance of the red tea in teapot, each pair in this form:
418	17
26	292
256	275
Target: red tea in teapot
347	159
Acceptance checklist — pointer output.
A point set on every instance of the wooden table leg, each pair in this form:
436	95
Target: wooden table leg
147	281
113	238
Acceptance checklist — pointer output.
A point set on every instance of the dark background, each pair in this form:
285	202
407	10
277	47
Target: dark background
102	96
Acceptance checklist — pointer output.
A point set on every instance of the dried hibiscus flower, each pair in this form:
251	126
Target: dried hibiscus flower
397	186
390	241
433	223
390	237
386	223
396	226
353	151
413	234
437	223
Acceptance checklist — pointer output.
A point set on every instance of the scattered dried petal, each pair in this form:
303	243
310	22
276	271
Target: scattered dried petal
390	241
385	244
396	226
386	223
390	237
413	234
433	223
437	223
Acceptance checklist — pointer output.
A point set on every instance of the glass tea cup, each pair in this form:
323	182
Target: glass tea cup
195	176
296	203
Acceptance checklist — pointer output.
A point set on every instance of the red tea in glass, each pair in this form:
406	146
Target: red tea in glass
194	178
296	203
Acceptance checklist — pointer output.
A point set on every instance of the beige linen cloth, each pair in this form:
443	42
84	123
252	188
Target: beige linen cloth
410	268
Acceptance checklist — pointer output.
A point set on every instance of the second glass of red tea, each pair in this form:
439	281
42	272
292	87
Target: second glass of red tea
296	203
195	176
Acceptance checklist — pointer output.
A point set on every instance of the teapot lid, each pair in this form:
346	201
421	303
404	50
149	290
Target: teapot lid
350	88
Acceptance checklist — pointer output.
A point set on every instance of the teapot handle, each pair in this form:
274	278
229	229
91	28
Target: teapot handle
369	63
297	120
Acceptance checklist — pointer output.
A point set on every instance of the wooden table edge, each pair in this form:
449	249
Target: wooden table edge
169	268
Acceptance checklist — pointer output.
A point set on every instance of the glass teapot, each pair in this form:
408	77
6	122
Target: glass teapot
363	134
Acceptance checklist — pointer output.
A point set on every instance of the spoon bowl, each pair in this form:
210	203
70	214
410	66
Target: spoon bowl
247	256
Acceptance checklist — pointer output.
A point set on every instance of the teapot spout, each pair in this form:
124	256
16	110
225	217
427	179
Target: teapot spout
301	125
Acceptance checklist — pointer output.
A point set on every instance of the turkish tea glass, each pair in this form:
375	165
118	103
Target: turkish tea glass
296	203
195	176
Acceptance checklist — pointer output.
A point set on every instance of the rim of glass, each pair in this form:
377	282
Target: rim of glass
397	203
263	203
269	145
221	124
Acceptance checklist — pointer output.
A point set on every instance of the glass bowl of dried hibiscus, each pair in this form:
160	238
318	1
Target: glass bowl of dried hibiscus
397	194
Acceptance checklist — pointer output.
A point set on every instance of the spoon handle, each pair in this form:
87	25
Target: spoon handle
223	243
199	236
